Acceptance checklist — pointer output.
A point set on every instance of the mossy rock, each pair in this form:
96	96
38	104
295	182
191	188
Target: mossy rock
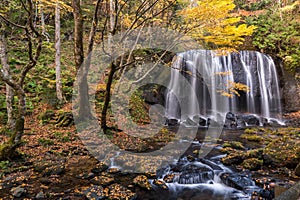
227	150
252	163
234	145
47	116
234	158
252	137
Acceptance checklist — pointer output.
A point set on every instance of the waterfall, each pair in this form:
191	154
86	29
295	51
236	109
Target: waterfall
199	79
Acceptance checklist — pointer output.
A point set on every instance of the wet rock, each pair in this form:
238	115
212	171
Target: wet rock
264	121
251	120
40	195
172	122
95	192
211	164
266	194
18	191
230	120
191	174
100	167
236	181
160	184
142	181
274	123
190	122
199	120
240	121
162	171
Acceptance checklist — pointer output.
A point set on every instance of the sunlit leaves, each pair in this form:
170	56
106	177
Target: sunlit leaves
212	22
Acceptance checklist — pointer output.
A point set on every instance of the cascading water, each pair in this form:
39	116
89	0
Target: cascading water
196	96
209	75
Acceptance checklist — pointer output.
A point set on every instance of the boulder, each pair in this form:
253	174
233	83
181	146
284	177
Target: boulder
193	173
251	120
200	120
172	122
237	181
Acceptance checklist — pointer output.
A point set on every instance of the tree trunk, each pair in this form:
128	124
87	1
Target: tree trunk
78	34
112	23
44	32
35	41
59	93
84	112
9	91
107	96
8	150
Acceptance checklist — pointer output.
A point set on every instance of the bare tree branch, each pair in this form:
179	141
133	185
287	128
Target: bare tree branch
12	23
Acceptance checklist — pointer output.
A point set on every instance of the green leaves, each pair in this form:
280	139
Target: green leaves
278	33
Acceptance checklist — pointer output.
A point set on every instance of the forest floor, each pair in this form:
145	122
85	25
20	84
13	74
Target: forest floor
55	163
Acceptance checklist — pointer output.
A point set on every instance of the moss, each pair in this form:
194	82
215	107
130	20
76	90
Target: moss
251	131
250	137
234	158
227	150
255	153
234	145
283	152
252	163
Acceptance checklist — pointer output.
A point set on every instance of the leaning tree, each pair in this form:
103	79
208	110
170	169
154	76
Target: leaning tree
34	39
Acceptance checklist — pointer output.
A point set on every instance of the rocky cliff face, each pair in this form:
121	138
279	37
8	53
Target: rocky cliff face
290	84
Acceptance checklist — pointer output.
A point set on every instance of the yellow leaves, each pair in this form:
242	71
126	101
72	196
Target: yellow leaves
228	73
53	4
211	21
232	88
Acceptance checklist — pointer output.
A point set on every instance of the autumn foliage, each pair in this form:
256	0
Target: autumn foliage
213	24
